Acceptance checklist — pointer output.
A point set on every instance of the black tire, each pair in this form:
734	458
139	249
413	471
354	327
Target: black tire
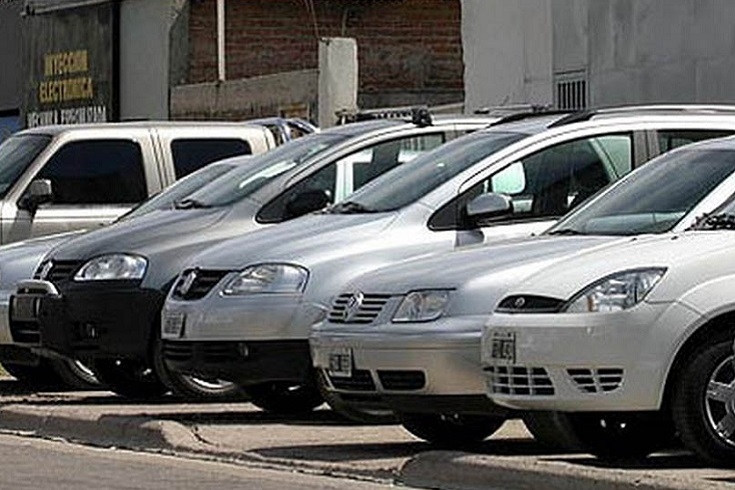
131	379
553	430
622	436
75	374
285	398
451	431
361	415
195	388
704	399
40	376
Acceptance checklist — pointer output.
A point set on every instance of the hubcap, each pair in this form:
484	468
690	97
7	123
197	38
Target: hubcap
720	400
208	384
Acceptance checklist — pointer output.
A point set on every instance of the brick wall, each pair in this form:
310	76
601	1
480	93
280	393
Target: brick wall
409	50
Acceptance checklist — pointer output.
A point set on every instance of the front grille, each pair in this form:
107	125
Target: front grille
202	282
524	303
61	270
357	307
601	380
402	380
519	380
207	352
360	380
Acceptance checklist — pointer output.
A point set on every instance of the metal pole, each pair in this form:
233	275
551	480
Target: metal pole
221	40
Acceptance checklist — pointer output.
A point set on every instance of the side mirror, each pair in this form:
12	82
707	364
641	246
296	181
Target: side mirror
488	206
307	202
39	192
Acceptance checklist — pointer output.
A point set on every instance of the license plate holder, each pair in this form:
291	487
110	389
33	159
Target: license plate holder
340	363
503	347
173	324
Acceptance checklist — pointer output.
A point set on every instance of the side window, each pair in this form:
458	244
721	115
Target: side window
192	154
548	183
349	173
670	139
97	172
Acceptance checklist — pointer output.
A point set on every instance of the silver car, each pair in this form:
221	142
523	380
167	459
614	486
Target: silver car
419	354
242	310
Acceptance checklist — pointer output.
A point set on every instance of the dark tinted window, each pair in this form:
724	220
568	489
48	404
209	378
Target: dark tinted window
674	138
96	172
192	154
642	204
16	153
546	184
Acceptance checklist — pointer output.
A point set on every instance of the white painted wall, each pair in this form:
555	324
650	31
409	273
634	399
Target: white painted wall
507	52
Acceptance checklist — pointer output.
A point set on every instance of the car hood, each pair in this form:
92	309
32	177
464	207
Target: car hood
297	241
689	258
165	238
19	260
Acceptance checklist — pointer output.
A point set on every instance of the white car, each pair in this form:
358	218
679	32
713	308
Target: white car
631	338
419	353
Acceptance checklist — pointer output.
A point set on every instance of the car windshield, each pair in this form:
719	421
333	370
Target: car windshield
262	169
180	189
411	181
654	198
16	153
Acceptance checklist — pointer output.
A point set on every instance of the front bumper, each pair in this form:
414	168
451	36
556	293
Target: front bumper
244	363
583	362
419	367
112	319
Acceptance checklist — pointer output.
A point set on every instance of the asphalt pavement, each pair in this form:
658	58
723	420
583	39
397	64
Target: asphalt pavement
323	443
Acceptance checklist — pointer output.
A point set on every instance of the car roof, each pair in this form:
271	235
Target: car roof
58	129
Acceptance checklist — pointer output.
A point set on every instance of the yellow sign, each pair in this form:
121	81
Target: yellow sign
54	90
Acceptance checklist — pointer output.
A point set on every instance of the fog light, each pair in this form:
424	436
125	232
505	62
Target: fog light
242	349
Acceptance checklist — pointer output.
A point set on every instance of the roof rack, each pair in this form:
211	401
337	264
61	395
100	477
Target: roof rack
663	108
519	112
419	115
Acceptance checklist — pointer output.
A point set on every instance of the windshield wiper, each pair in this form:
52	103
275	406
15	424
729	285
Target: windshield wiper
565	231
349	207
722	221
190	204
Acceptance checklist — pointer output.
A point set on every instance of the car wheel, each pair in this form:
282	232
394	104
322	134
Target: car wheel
40	376
703	406
285	398
195	388
552	430
454	431
620	436
75	374
131	379
362	415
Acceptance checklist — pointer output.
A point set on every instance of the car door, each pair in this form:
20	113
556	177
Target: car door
93	181
542	187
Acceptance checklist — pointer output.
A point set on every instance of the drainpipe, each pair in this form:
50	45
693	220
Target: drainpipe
221	40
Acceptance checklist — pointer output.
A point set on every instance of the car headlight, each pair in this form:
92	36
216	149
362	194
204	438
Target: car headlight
615	293
268	278
422	306
113	267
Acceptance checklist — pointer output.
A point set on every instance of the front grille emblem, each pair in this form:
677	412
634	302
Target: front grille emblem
186	282
519	302
353	307
46	269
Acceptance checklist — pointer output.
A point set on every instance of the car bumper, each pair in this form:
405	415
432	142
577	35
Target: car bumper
433	366
95	321
583	362
5	336
244	363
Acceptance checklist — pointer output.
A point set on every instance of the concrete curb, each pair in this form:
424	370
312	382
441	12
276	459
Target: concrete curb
445	470
448	470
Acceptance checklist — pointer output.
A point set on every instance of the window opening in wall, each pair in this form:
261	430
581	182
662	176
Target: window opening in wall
570	92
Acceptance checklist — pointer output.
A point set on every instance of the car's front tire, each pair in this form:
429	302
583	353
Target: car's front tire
285	398
703	404
552	430
128	378
452	431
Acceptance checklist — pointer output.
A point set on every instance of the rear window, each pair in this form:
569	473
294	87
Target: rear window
192	154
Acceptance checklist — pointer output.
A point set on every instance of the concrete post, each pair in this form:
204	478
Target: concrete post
337	78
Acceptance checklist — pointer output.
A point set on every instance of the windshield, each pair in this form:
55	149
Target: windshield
653	198
16	153
411	181
260	170
180	189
